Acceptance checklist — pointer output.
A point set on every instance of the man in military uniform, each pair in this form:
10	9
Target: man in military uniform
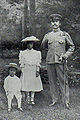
56	54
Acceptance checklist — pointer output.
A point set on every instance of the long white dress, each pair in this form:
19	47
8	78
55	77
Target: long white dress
29	62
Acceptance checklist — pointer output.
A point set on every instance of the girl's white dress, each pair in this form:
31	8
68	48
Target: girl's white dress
29	62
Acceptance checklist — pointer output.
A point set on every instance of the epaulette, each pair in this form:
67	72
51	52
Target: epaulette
65	33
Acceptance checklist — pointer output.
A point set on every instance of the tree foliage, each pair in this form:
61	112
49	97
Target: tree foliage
69	9
11	12
37	22
10	28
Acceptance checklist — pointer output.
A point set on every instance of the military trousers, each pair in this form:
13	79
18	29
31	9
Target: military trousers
58	82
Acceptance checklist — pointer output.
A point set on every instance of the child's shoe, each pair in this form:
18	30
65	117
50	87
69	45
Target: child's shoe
32	102
9	109
20	109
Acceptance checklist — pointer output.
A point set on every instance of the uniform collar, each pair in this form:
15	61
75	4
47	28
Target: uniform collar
11	76
57	30
30	50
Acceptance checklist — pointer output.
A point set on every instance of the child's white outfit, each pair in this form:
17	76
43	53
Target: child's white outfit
30	62
12	86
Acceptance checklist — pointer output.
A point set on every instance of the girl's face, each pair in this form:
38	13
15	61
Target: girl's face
12	71
30	45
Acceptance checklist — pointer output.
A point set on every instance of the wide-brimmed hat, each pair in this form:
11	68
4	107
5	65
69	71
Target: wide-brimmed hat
55	17
12	65
30	39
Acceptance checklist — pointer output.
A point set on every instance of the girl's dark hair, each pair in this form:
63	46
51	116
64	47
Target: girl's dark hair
24	45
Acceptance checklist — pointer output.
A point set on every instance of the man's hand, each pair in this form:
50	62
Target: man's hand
37	73
63	57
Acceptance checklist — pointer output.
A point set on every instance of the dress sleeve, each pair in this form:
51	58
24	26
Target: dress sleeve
21	59
70	44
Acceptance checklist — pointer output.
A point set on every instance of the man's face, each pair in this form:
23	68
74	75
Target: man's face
55	24
12	71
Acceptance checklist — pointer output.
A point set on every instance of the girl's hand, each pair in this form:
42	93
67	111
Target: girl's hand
6	92
37	73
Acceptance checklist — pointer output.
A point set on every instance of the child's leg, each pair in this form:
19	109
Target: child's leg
18	97
19	102
28	96
32	97
10	97
9	102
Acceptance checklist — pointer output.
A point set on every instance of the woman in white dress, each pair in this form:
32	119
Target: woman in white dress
30	60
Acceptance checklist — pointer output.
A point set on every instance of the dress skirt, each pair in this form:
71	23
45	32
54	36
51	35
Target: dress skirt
29	80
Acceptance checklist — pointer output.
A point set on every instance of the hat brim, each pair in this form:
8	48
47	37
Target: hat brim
27	40
10	66
30	39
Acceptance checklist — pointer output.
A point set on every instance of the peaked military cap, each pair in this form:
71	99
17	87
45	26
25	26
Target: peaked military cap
31	38
55	17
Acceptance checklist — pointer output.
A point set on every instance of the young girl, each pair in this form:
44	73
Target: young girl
29	60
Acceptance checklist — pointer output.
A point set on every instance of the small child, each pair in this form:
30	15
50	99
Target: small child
12	86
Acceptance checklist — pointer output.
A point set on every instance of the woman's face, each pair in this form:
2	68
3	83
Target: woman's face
30	45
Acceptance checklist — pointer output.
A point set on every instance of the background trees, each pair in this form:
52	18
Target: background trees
31	17
21	18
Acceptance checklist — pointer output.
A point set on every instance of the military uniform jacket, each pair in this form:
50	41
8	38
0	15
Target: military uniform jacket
56	45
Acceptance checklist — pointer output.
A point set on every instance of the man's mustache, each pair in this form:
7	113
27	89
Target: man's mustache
55	24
